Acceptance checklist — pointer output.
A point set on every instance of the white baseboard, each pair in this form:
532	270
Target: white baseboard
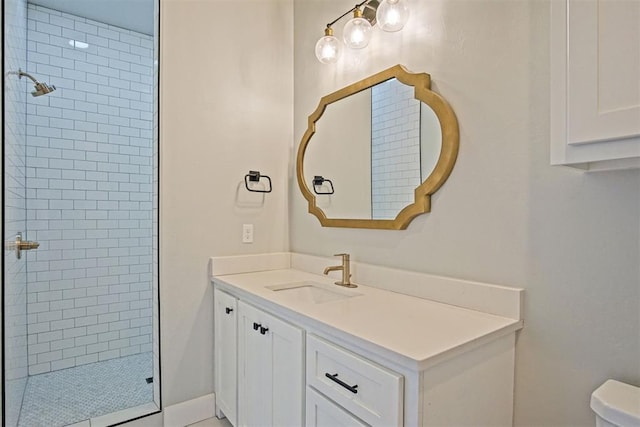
190	412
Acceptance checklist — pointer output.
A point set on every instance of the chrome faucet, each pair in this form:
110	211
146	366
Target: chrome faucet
346	274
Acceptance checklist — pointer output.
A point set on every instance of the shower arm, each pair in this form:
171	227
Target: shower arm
23	74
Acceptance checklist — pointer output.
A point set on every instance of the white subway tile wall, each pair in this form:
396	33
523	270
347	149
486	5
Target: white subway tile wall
89	191
14	132
395	148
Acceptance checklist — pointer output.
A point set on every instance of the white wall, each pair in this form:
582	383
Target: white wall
225	108
504	216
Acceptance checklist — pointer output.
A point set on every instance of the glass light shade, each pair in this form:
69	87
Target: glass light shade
328	48
357	32
392	15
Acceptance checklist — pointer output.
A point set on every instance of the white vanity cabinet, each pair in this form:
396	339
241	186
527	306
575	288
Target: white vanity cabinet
225	329
270	370
595	83
474	388
258	365
371	358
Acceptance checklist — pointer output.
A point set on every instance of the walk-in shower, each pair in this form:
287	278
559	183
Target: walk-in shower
80	184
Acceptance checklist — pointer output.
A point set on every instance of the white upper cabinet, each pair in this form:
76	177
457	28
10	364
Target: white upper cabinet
595	83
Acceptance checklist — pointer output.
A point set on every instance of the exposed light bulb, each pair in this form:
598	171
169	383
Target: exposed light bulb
328	48
357	32
392	15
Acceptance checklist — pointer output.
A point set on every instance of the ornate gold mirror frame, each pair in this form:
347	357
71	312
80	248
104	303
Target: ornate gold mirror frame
422	194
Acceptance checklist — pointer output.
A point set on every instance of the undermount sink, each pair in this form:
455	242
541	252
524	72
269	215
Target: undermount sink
313	292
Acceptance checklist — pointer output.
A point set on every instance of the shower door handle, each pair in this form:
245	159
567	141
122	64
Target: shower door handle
20	245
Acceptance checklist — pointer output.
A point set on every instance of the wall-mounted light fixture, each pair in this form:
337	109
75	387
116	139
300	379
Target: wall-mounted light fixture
390	15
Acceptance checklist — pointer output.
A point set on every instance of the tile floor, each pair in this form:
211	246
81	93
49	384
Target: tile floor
213	422
71	395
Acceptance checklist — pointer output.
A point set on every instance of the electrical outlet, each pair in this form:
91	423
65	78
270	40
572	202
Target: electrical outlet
247	233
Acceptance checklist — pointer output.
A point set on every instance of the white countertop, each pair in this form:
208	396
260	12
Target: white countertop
421	331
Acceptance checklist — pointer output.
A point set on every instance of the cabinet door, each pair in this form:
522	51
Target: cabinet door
603	70
225	318
270	351
255	359
321	412
595	89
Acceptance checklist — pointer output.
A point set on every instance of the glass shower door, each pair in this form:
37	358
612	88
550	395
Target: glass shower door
14	294
80	314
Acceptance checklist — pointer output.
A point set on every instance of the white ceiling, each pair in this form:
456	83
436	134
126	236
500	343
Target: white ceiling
135	15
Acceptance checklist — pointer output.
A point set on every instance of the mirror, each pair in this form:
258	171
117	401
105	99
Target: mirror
383	146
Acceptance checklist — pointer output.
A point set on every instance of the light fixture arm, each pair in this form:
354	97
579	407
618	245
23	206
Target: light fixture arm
357	6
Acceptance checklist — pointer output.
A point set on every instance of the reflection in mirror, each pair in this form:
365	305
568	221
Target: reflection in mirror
342	154
383	144
405	146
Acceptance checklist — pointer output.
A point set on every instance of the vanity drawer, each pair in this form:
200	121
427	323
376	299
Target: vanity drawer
367	390
321	412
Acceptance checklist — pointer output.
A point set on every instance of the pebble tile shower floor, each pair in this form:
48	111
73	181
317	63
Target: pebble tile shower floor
71	395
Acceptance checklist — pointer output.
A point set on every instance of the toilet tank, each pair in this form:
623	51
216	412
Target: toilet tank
616	404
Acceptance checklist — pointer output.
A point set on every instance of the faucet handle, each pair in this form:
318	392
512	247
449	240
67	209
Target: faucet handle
342	255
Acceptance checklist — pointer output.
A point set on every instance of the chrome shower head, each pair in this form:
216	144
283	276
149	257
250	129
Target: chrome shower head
41	87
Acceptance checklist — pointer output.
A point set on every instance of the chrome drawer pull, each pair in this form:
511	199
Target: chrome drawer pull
334	377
